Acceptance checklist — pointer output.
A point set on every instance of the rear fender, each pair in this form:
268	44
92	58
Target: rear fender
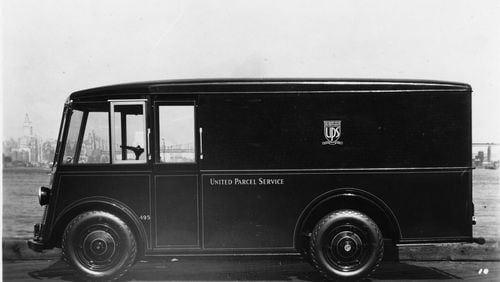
346	198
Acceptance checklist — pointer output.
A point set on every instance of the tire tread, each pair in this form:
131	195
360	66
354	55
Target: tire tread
131	252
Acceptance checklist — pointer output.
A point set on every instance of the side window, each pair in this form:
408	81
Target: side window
95	145
176	133
128	132
72	137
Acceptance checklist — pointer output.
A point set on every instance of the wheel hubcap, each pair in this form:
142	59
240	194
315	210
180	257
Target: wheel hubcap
98	248
346	245
345	250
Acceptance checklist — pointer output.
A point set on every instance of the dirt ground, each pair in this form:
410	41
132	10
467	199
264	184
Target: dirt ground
255	269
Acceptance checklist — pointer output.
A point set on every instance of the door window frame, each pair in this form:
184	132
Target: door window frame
157	157
112	104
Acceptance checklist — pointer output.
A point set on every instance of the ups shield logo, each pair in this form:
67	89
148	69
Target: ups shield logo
332	130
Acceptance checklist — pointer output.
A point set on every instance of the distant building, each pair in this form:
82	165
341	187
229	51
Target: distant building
29	150
488	160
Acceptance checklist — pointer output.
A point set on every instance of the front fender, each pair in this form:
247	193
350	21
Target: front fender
99	203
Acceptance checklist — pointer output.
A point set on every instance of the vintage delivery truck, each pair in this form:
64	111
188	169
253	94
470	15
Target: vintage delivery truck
330	169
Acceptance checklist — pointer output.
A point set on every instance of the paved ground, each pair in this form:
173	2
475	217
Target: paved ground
255	269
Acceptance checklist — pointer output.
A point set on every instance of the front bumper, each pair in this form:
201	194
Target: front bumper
36	245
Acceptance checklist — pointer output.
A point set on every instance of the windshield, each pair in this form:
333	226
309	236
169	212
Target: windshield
73	132
85	138
60	137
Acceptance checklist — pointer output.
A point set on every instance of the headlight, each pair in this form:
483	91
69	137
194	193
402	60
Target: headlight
43	195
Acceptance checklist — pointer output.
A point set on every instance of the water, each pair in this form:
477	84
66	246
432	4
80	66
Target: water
486	197
20	200
21	209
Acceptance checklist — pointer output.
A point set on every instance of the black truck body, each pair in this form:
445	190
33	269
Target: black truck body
268	160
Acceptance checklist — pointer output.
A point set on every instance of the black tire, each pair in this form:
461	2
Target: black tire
99	245
347	245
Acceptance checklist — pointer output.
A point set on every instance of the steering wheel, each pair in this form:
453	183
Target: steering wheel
137	150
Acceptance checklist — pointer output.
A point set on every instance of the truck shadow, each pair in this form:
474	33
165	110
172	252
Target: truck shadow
57	270
240	269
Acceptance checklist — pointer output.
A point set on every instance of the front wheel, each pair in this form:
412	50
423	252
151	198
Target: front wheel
99	245
346	244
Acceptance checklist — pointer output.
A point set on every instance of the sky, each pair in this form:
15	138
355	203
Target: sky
52	48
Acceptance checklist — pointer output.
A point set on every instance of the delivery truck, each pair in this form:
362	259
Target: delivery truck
330	169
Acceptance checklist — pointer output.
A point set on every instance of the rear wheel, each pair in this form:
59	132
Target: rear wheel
346	244
99	245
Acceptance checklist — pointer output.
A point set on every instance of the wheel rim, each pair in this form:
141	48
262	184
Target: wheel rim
346	248
98	247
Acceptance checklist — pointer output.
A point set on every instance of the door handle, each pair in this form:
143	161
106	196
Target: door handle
147	143
201	143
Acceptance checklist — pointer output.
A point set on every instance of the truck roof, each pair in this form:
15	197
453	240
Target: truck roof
212	86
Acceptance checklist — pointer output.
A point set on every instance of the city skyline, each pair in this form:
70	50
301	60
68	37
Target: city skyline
28	148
